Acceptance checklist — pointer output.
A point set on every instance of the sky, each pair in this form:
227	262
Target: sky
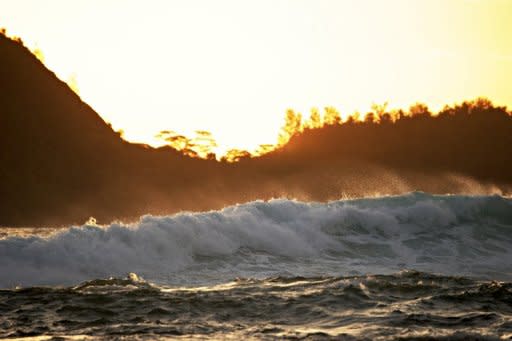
233	67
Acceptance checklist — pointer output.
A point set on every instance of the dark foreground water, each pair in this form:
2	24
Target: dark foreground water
408	305
415	267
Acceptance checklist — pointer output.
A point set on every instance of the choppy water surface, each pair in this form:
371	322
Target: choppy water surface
409	305
267	270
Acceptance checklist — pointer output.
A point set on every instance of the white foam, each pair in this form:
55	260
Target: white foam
447	234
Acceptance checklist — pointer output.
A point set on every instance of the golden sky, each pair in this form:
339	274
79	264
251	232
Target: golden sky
233	67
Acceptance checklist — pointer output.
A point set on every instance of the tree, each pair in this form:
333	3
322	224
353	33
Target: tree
379	110
315	121
235	155
332	116
264	149
292	126
419	110
204	143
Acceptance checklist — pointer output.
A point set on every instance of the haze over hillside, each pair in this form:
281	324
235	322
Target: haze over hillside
61	163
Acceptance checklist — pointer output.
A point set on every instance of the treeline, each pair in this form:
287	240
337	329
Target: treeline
459	138
204	144
333	127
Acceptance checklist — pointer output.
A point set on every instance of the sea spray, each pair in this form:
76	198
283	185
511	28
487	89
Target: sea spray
453	234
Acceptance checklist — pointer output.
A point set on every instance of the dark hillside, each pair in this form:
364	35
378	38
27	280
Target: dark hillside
61	163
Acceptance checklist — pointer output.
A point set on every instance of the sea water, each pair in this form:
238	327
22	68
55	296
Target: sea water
415	266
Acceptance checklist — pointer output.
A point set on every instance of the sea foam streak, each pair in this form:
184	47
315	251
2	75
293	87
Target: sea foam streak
465	235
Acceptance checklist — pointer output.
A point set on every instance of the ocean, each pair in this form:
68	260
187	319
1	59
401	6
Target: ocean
412	267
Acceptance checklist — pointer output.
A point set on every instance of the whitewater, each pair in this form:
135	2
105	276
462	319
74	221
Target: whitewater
382	265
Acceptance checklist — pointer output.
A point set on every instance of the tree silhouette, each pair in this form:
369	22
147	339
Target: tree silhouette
332	116
292	126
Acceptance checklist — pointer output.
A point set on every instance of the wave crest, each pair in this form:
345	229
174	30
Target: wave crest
467	235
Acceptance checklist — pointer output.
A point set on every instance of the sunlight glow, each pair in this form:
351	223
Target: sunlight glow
233	67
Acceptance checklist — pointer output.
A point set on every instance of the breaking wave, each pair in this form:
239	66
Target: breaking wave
454	235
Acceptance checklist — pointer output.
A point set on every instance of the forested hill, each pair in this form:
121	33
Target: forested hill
61	163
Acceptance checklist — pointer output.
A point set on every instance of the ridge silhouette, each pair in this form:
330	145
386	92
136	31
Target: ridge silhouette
61	163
